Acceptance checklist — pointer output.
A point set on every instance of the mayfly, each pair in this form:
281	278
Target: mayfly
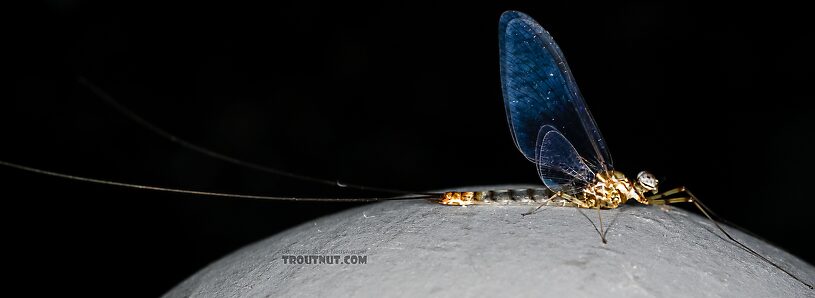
553	128
549	122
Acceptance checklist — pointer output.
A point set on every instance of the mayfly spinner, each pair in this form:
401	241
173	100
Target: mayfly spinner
545	111
553	128
550	125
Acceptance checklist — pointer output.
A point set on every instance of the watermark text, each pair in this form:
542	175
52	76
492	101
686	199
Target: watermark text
325	259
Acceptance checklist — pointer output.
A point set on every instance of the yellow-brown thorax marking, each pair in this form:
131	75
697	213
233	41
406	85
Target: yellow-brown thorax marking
609	190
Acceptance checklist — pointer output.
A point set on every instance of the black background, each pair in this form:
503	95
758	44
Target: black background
401	95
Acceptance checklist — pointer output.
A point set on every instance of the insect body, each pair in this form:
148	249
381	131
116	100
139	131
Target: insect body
609	190
548	117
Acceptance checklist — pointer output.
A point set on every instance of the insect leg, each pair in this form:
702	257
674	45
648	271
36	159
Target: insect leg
602	234
659	199
568	197
669	192
578	204
599	231
670	201
557	194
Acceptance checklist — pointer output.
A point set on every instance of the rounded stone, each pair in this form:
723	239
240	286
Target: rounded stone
419	248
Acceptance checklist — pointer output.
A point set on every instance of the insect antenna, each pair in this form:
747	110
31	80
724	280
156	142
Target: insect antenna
204	193
208	152
708	212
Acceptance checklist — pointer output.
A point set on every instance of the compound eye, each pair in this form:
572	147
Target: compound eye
647	179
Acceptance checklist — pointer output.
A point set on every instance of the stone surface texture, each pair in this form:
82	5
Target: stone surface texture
418	248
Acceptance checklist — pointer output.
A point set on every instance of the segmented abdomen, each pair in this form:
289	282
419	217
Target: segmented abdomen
529	196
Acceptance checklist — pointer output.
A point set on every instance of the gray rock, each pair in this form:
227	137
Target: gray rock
418	248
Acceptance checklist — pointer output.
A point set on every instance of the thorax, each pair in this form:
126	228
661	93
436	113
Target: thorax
609	190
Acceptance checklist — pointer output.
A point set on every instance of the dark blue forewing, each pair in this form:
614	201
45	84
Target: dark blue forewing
539	90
